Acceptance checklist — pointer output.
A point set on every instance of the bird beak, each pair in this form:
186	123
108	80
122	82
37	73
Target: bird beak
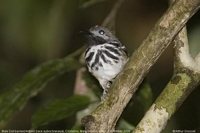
87	36
86	33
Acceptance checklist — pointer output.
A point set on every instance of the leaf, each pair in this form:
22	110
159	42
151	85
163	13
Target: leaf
59	109
33	82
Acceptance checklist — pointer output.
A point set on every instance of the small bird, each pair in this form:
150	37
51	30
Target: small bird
105	56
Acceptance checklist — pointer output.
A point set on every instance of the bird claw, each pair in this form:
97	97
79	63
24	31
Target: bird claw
104	95
105	91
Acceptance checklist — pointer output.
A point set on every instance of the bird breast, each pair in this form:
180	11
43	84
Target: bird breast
104	61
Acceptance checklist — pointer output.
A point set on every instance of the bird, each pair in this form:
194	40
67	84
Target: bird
105	56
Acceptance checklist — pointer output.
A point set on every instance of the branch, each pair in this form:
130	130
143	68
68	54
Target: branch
90	3
185	78
197	58
182	54
104	118
109	21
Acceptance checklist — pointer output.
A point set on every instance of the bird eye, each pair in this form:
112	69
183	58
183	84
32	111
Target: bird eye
101	32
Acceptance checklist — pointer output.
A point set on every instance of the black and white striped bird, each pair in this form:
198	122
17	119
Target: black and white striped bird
105	56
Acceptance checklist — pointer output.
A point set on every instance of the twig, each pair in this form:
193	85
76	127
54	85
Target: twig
104	118
197	59
90	3
110	20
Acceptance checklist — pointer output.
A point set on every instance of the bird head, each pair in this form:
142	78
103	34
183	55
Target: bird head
98	35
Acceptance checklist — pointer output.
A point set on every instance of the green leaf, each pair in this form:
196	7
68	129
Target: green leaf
33	82
59	109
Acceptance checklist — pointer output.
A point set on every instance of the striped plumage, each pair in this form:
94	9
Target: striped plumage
105	56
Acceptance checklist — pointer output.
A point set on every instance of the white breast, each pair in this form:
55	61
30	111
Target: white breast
109	70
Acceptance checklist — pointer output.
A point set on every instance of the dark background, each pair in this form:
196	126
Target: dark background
35	31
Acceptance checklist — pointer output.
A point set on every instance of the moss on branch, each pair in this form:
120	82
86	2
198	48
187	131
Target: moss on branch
185	79
180	86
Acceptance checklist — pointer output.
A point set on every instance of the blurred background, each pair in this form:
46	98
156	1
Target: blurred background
35	31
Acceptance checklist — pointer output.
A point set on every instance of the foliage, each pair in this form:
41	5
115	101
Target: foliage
33	82
59	109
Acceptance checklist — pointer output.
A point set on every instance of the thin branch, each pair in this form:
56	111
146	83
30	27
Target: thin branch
90	3
77	52
197	58
104	118
110	20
